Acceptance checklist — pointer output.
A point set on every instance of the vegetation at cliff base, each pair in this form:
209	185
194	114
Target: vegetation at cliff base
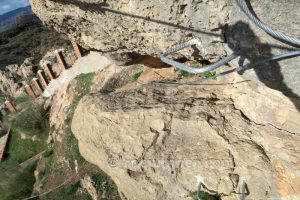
203	196
16	182
63	163
30	127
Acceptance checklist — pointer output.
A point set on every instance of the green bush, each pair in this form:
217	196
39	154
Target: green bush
203	196
209	74
103	183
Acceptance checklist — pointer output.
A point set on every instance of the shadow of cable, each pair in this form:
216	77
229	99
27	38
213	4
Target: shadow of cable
102	8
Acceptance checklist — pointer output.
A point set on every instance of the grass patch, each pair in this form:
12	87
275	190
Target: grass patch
104	184
30	129
209	74
206	74
203	196
48	153
33	120
24	98
136	75
17	185
84	82
185	74
68	148
197	64
19	150
28	137
47	167
72	143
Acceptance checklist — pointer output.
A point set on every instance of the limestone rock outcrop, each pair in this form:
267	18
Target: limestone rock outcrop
157	143
13	76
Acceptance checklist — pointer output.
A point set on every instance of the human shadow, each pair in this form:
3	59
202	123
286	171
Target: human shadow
239	37
242	39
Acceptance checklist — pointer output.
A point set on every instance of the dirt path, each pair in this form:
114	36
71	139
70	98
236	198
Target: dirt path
87	64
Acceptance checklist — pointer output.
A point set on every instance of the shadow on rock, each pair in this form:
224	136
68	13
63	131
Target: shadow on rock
241	38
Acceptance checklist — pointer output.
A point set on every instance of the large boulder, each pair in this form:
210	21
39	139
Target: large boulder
159	143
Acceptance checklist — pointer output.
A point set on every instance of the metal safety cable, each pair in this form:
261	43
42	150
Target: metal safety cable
276	34
237	69
244	7
193	70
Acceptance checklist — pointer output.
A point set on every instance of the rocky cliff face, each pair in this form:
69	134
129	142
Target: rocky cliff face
157	143
245	126
125	29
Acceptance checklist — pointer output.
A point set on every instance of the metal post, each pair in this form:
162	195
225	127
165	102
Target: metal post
49	71
61	60
77	49
10	106
43	78
29	91
37	86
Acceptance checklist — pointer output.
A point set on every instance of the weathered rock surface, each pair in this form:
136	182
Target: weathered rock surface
150	27
247	130
157	143
13	77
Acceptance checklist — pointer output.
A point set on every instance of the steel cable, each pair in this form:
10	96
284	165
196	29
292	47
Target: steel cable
275	34
193	70
240	68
